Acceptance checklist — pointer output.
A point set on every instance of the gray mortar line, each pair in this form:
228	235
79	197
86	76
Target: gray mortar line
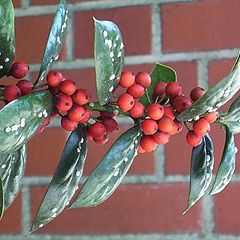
25	4
202	73
70	37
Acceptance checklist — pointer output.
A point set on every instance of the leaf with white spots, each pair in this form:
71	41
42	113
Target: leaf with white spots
227	164
12	168
1	199
55	41
7	36
201	170
65	180
109	56
21	118
160	73
216	96
108	175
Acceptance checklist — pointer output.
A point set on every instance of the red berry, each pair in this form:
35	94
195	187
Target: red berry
193	139
159	88
102	141
89	136
68	87
144	79
105	114
149	126
11	93
137	110
68	124
161	137
173	89
155	111
201	127
19	70
136	90
140	149
63	103
196	93
148	144
127	79
177	127
165	124
97	130
86	117
169	112
211	117
25	87
181	103
54	78
76	113
125	102
110	124
81	96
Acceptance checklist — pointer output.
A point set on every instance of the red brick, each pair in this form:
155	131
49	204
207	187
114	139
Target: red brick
131	21
11	221
200	25
124	212
17	3
227	210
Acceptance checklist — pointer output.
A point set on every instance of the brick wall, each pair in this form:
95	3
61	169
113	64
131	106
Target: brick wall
200	39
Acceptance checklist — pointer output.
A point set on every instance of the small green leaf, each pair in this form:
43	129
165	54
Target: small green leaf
66	179
1	199
7	37
160	73
109	56
201	170
227	165
21	118
55	41
215	97
105	179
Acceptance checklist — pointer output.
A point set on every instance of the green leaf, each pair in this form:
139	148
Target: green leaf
227	165
66	179
109	56
55	41
1	199
105	179
160	73
215	97
7	37
21	118
201	170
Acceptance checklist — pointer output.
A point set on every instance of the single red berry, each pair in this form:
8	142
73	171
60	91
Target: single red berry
68	87
11	92
19	70
193	139
54	78
181	103
165	124
144	79
137	110
169	112
81	96
155	111
105	114
173	89
159	89
177	127
136	90
102	141
148	144
127	79
97	130
201	127
86	117
76	113
140	149
63	103
125	102
161	137
211	117
149	126
68	124
110	124
196	93
25	87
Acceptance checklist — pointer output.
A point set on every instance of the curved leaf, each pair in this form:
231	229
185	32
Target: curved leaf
108	55
1	199
201	170
160	73
7	37
66	179
227	165
55	41
215	97
105	179
21	118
